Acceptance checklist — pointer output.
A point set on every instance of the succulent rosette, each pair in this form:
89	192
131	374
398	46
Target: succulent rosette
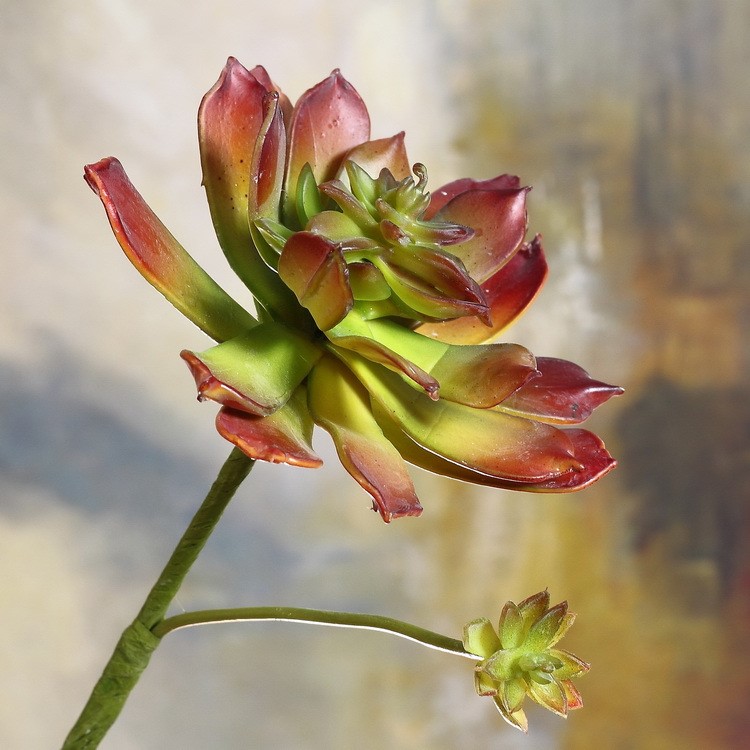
520	658
373	299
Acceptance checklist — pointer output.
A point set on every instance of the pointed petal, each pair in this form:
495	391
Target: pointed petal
550	695
533	607
571	667
573	697
565	626
484	684
283	437
256	372
328	121
564	393
314	268
508	293
448	192
480	638
383	153
498	218
512	694
340	405
261	75
160	259
269	157
543	630
516	719
482	440
229	121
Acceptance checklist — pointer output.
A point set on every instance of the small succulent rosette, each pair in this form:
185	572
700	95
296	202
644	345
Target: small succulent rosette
373	299
520	659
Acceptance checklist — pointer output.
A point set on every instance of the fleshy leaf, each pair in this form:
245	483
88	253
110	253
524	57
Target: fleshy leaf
479	376
382	153
229	121
269	157
283	437
565	393
483	440
590	451
256	372
565	625
512	694
328	121
441	196
498	218
341	406
160	259
314	268
508	293
480	638
484	684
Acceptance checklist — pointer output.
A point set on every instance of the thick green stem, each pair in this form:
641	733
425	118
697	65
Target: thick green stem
318	617
137	643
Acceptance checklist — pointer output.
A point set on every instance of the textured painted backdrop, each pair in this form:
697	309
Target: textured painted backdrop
630	119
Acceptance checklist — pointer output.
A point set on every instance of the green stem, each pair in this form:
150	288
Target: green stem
137	643
318	617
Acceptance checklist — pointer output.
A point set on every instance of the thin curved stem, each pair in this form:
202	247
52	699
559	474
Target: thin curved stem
427	638
138	642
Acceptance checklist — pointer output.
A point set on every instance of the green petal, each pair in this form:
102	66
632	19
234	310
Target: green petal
516	719
160	259
483	683
512	694
571	667
551	695
256	372
283	437
340	405
511	628
544	629
480	638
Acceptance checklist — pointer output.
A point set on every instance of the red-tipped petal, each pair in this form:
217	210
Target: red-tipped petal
341	406
314	268
509	448
498	218
448	192
383	153
328	121
508	294
256	372
160	259
564	393
282	437
589	450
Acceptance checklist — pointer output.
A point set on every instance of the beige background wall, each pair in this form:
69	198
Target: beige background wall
630	119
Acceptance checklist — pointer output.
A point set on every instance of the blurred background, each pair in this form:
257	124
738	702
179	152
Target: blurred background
631	120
